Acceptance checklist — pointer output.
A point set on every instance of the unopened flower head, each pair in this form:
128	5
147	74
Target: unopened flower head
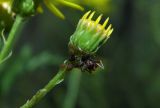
90	34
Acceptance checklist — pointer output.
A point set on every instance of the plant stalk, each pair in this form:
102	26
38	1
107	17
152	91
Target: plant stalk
6	50
42	92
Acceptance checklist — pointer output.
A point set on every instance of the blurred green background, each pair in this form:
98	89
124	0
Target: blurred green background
131	78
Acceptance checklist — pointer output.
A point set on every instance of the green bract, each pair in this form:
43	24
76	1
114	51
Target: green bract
89	35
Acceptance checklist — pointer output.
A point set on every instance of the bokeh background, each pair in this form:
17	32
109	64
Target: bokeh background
131	78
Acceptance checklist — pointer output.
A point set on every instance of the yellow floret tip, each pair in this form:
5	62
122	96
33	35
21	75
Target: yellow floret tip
87	17
98	19
91	16
105	23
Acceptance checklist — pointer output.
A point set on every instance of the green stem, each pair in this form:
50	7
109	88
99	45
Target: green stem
11	39
42	92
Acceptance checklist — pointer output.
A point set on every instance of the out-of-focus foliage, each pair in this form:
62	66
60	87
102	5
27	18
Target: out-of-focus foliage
131	78
100	5
155	25
6	18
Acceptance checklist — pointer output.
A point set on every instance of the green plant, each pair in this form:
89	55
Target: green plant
26	8
83	45
81	55
22	10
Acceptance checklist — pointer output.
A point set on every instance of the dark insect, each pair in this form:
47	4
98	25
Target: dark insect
86	63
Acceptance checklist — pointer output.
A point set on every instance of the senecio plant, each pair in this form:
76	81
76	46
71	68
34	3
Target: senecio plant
83	45
88	37
17	12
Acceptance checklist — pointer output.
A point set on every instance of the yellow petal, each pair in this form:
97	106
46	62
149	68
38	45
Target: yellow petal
90	17
70	4
39	9
110	32
98	19
108	29
105	23
53	9
86	15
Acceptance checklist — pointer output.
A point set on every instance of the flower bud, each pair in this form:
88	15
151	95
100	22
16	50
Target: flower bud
89	34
